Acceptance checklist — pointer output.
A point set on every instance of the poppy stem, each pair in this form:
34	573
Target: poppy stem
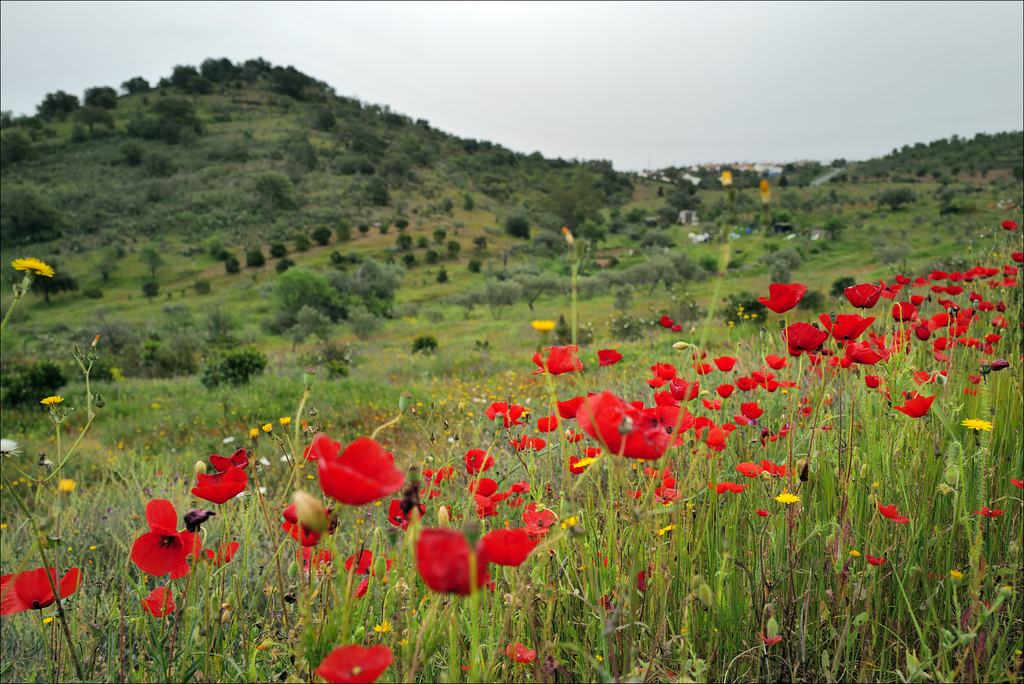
50	578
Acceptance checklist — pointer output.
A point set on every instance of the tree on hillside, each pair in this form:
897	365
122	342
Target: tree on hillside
14	148
150	289
834	226
62	281
101	96
518	225
134	86
219	70
895	198
26	216
274	190
58	104
683	196
575	198
90	116
151	259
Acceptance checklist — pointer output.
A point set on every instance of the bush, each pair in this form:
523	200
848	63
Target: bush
422	242
344	231
442	275
278	250
401	224
408	260
322	235
283	265
363	323
29	384
404	242
744	304
840	284
430	257
231	265
150	288
235	367
254	258
813	300
624	327
474	265
517	226
364	228
424	343
301	243
93	293
202	287
453	249
133	152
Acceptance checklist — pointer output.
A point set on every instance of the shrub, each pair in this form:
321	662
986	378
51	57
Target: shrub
133	152
813	300
363	323
150	288
364	228
93	293
404	241
231	265
336	369
234	367
442	275
344	231
840	284
453	249
283	265
430	257
278	250
424	343
517	226
408	260
625	327
474	265
401	224
254	258
301	243
422	242
202	287
322	234
30	384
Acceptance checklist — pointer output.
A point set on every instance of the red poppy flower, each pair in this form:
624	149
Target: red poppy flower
847	326
397	518
775	362
863	296
510	415
903	311
725	363
622	428
875	561
769	640
524	443
751	410
683	390
773	469
558	360
478	461
863	353
164	549
364	472
782	298
804	337
607	357
221	487
506	547
893	514
916	407
1018	257
547	424
664	370
1009	225
749	469
575	469
538	521
990	512
872	381
160	602
715	405
225	552
763	513
666	322
442	559
31	590
520	654
725	391
355	664
300	533
723	487
240	459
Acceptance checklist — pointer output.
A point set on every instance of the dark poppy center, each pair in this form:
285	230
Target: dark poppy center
167	541
35	604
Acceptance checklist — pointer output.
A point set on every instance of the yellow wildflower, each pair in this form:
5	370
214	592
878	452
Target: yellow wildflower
584	462
284	421
854	553
956	574
66	486
727	178
975	424
543	326
663	530
383	628
569	522
52	401
254	432
33	265
268	427
787	498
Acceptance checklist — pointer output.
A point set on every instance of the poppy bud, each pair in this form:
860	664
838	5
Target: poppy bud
293	570
705	595
510	574
773	628
195	517
99	401
232	599
200	467
1013	549
360	632
764	331
198	634
695	582
680	346
952	475
307	377
310	512
864	471
443	517
404	401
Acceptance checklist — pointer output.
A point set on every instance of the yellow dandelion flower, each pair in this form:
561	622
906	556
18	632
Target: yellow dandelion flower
787	498
975	424
66	486
254	432
854	553
584	462
268	427
47	621
284	421
663	530
569	522
543	326
956	574
383	628
52	401
33	265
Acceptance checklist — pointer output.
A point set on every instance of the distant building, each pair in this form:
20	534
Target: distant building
688	217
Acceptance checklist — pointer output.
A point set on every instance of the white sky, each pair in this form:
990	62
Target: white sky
664	84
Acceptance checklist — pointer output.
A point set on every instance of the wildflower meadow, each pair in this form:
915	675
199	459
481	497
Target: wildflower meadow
820	496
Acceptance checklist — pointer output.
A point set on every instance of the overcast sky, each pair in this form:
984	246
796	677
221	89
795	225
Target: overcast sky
659	84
